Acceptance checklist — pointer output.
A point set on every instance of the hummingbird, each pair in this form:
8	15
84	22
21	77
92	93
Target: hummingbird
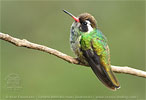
90	46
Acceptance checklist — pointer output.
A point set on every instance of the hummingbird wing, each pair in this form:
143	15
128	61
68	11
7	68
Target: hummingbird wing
96	52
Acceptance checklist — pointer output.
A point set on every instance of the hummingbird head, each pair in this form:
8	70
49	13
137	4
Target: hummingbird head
85	22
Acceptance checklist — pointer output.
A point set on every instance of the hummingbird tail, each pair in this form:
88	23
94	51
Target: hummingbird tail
106	77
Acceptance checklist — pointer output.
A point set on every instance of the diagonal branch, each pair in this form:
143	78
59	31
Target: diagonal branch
27	44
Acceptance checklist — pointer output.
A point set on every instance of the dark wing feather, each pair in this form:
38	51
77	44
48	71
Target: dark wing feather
94	61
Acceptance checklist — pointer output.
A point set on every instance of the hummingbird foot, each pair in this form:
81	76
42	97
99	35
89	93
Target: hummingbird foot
81	62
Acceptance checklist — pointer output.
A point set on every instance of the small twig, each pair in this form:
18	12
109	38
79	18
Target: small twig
25	43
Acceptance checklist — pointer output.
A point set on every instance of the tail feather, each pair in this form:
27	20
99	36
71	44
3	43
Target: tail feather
107	78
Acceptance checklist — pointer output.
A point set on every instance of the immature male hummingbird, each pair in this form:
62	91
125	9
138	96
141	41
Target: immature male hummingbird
90	46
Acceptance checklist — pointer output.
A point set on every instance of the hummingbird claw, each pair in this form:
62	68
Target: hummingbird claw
79	61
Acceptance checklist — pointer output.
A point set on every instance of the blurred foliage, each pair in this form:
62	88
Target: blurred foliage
43	22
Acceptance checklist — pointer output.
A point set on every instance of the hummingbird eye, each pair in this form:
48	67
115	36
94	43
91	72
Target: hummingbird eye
84	23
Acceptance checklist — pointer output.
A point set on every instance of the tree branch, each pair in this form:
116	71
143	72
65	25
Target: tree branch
27	44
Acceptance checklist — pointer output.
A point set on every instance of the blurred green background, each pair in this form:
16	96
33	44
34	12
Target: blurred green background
32	74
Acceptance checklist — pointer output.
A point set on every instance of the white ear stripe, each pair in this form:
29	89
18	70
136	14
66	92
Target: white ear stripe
89	26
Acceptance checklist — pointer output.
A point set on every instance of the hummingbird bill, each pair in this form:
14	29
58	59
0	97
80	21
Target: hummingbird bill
90	46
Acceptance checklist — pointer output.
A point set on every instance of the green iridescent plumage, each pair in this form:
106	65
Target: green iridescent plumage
96	42
90	46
